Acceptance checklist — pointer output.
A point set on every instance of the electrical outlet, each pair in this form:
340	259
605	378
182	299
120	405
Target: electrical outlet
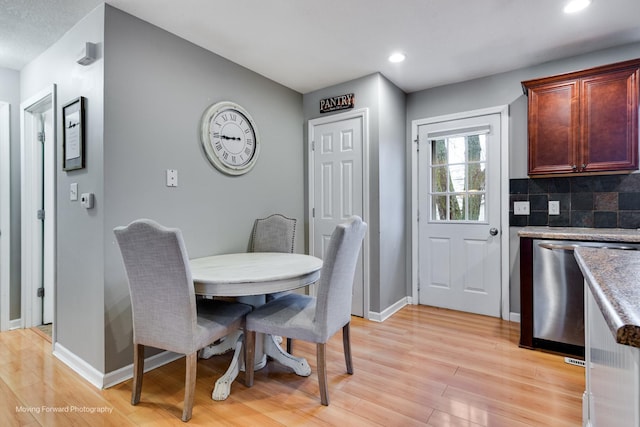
554	207
521	208
172	178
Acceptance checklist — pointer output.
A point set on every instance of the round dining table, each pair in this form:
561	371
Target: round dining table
249	277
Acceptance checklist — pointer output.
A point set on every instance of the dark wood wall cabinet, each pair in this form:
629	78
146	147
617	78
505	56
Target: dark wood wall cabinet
585	121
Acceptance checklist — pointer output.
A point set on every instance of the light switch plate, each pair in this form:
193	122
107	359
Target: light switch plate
554	207
172	178
521	208
73	191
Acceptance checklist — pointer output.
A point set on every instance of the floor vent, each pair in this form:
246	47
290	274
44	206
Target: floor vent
572	361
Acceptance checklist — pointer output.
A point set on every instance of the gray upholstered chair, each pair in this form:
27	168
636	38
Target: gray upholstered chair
275	233
315	319
163	303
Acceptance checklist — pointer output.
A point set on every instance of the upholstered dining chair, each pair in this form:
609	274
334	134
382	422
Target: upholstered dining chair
165	312
275	233
315	319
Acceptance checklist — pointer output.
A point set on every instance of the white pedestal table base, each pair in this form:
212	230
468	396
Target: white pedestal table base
222	389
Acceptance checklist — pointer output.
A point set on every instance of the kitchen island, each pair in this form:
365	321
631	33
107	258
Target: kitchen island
612	332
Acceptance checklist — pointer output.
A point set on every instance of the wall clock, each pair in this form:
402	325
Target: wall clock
230	138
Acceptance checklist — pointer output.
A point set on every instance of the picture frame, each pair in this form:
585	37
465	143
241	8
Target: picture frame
73	134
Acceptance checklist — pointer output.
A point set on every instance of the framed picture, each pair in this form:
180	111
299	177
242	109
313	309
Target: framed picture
73	134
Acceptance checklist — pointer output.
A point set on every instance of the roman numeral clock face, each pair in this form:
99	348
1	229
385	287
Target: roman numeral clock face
230	138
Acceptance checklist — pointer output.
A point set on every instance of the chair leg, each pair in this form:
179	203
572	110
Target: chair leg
138	370
322	373
250	356
346	344
289	345
190	385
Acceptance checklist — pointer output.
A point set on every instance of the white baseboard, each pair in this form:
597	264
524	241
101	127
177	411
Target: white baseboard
381	317
388	312
82	368
15	324
100	380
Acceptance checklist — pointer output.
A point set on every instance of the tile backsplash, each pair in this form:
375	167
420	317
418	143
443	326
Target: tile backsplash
601	201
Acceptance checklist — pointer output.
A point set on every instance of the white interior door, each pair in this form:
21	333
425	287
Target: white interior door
48	170
5	215
336	186
38	194
459	181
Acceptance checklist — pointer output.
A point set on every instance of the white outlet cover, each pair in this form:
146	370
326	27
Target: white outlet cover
521	208
554	207
172	178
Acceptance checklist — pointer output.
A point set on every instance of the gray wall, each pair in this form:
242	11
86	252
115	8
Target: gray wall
79	265
145	97
394	264
386	104
10	92
157	86
503	89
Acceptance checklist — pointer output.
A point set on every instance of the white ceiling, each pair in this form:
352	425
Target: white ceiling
310	44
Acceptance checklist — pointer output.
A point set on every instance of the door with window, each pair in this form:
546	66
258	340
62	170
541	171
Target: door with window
459	214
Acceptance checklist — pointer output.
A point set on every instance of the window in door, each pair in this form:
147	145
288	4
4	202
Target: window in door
458	165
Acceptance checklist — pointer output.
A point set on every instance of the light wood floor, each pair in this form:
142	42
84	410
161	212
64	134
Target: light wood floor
423	366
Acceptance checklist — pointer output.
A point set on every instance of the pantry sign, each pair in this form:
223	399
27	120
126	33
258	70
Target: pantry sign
342	102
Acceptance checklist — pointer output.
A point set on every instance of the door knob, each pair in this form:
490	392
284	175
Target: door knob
493	231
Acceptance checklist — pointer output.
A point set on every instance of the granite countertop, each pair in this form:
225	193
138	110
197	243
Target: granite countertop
613	276
582	234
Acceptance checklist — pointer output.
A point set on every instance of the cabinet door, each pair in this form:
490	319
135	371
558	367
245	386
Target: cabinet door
553	128
609	118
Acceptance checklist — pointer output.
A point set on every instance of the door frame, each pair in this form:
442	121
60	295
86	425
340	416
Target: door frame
363	115
5	215
30	200
503	110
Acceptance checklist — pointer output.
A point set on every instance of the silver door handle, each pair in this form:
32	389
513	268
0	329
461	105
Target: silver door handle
493	231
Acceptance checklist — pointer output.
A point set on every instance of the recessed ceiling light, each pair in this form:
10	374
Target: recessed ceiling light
397	57
576	5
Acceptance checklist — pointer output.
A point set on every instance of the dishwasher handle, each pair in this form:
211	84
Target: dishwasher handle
572	247
555	246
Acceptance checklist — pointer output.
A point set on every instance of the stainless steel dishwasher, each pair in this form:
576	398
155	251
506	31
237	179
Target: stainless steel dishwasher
558	295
